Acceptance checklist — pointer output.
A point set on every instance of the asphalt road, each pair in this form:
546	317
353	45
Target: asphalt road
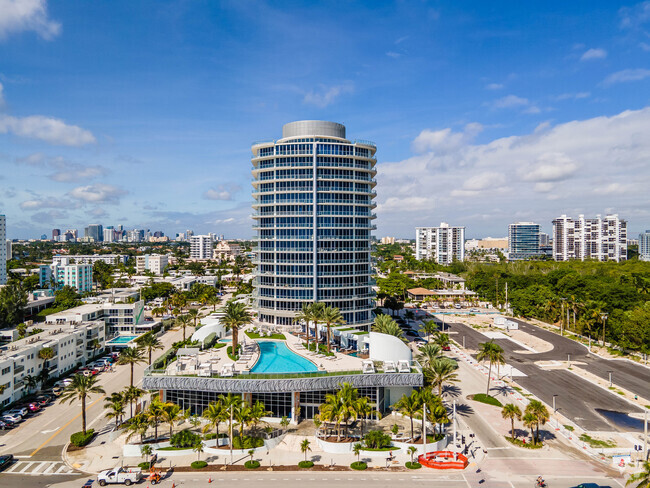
576	398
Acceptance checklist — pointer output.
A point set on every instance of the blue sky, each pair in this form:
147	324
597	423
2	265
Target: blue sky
142	113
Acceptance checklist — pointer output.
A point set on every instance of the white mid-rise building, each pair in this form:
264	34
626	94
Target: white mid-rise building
226	251
156	263
73	345
3	250
120	318
78	276
113	259
644	246
600	239
444	244
201	247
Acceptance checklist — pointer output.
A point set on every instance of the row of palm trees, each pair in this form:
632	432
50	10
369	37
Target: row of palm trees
345	406
318	312
586	315
534	415
413	407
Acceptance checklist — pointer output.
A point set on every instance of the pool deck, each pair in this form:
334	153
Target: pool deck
212	361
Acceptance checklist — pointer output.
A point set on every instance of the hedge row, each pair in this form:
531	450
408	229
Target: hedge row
80	439
164	359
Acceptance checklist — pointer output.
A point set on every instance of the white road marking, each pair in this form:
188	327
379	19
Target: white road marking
48	431
26	467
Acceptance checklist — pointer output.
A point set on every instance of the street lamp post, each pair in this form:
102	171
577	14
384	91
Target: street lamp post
604	317
554	409
610	378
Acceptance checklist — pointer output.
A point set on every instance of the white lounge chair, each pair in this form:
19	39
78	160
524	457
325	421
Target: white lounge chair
228	370
368	366
389	367
403	366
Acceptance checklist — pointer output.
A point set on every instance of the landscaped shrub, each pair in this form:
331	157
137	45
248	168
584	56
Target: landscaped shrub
252	464
213	435
358	465
376	439
199	464
144	466
210	340
79	439
185	438
305	464
248	443
411	465
229	352
483	398
527	445
164	359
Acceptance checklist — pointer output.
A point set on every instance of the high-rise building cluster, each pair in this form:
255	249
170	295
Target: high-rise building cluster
3	250
313	205
644	246
600	239
444	244
108	234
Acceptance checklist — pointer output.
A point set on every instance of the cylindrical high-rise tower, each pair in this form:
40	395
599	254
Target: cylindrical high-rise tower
313	196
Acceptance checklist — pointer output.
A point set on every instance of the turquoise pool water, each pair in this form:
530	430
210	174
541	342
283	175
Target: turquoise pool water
276	357
123	339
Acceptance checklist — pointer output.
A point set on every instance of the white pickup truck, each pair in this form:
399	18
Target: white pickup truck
119	476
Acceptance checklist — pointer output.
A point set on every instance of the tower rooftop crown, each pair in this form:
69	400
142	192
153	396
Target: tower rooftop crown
313	128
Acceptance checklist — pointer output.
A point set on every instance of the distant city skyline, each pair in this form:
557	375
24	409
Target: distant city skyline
484	115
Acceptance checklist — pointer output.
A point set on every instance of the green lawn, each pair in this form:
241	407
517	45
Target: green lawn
255	335
483	398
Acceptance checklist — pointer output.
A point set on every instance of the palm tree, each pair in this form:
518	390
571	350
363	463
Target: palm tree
412	450
146	451
540	412
137	425
304	447
429	353
331	316
179	301
132	394
230	404
171	413
356	449
643	477
158	311
30	382
409	315
441	371
236	315
257	412
214	414
512	412
242	415
530	421
441	339
115	406
305	315
80	388
198	448
409	405
494	354
318	313
363	408
155	415
131	356
46	354
149	343
214	301
184	321
384	324
194	314
429	327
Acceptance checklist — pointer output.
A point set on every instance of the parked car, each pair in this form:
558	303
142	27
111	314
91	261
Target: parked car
44	399
474	310
12	418
34	407
6	460
22	411
6	425
57	390
590	485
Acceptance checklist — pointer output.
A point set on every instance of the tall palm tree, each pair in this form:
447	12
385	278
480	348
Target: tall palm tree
363	408
304	447
46	354
318	313
257	412
441	339
171	414
409	315
184	321
384	324
331	411
530	421
435	409
132	394
540	412
642	477
429	327
429	353
214	414
115	406
305	315
31	382
80	388
131	356
214	301
512	412
194	315
155	415
494	354
331	316
230	404
236	315
137	425
149	343
242	416
409	405
441	371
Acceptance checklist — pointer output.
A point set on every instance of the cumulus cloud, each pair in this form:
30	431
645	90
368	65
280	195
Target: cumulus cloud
49	216
510	101
594	53
77	172
48	129
39	203
554	169
445	139
223	192
26	15
636	16
97	193
325	95
627	75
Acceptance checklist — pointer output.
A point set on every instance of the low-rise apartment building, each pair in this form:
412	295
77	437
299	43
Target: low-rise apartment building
226	251
119	318
89	259
78	276
73	345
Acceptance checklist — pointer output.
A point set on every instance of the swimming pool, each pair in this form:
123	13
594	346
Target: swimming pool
122	339
276	357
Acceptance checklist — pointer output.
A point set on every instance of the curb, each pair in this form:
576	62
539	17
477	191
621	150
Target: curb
64	457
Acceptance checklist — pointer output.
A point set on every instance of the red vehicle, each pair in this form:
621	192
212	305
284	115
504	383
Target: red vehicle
33	407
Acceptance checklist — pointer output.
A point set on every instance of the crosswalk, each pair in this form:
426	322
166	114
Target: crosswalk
39	468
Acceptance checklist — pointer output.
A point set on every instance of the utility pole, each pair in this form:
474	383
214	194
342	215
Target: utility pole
454	420
424	429
506	296
231	412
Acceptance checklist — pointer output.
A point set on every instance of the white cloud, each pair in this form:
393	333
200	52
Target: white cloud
2	98
634	17
97	193
444	140
549	171
570	96
510	101
26	15
627	75
494	86
47	202
47	129
594	53
49	216
393	54
223	192
326	95
78	172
